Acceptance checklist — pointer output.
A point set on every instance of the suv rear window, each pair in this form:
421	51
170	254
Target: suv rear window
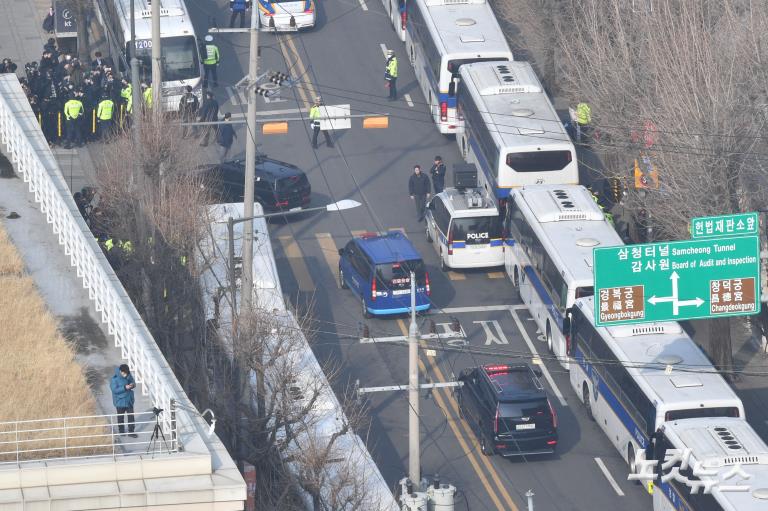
476	230
287	183
514	409
398	275
539	161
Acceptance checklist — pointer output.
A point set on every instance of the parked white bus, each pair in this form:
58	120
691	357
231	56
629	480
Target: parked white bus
734	460
180	51
397	15
444	35
635	378
550	233
510	129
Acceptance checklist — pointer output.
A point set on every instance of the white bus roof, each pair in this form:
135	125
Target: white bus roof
649	348
513	104
174	18
720	444
467	30
472	202
569	225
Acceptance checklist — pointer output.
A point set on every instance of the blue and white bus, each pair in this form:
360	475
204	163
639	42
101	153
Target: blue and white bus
444	35
550	233
398	15
510	130
633	379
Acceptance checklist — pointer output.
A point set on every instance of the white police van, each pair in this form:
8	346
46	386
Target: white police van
465	228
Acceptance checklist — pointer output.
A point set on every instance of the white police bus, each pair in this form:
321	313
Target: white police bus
733	463
634	378
550	233
180	51
444	35
398	15
510	129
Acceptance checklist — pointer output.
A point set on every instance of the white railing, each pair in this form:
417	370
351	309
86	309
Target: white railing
28	150
92	436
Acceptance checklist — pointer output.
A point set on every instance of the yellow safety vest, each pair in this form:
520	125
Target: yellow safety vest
211	54
109	244
583	114
148	97
73	109
392	67
105	110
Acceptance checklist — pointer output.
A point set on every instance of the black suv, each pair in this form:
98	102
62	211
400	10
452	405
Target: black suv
279	185
508	409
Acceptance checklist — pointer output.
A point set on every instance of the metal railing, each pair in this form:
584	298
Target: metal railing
35	163
91	436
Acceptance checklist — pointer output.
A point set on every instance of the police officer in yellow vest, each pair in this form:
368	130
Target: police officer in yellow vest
73	113
126	93
583	120
314	120
147	95
210	61
390	74
105	113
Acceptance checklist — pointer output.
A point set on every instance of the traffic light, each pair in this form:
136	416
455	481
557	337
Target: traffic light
617	189
646	175
279	78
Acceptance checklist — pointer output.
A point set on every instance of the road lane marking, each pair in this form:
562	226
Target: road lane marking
233	95
496	274
330	252
363	6
468	452
453	275
383	48
535	353
462	310
408	100
608	476
287	41
296	260
357	234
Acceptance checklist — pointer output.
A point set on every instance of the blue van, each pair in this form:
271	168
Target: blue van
377	268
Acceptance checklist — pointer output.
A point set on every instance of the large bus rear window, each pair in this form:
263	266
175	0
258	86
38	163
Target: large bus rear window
696	413
539	161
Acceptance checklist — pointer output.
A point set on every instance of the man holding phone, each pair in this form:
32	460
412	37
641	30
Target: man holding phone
122	386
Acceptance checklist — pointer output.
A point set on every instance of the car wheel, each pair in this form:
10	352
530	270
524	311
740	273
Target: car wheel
486	449
366	314
549	339
587	402
443	267
429	237
342	284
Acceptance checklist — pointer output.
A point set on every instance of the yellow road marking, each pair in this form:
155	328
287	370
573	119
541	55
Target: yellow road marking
330	252
357	234
296	260
470	454
454	275
496	274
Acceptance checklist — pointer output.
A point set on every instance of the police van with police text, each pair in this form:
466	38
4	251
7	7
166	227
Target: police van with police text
465	228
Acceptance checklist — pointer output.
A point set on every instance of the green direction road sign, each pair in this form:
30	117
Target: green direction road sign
677	280
741	224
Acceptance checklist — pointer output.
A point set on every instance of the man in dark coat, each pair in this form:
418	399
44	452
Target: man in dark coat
419	189
225	136
122	386
209	112
438	175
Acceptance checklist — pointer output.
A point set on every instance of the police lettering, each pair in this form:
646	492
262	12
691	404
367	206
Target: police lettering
477	236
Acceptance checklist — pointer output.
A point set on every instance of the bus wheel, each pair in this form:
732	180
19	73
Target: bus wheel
516	283
464	146
587	402
549	339
631	459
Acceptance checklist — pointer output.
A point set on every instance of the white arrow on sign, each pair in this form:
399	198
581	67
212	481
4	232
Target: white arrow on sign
676	304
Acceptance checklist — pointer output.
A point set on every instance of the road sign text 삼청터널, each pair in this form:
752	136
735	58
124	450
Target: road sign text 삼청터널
677	280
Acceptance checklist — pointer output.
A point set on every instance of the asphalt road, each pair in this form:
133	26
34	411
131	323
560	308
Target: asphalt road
342	59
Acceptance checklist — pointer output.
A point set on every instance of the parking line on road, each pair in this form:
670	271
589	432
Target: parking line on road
496	274
454	275
330	252
608	476
460	310
535	353
408	100
363	6
296	260
470	453
383	48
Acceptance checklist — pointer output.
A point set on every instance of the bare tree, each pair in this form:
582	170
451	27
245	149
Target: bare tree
83	9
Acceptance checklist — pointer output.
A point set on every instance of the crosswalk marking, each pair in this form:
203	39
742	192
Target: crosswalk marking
357	234
296	260
330	252
496	274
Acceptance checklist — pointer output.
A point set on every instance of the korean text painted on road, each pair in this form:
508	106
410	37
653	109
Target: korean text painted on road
677	280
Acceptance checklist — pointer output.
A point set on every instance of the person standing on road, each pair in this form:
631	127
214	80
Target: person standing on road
390	74
224	137
188	106
238	7
209	112
418	189
73	112
104	113
583	121
122	386
210	62
438	175
314	121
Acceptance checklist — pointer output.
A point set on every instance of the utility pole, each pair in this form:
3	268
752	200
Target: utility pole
157	71
246	299
414	462
136	100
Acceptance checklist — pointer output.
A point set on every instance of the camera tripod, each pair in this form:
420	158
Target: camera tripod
157	433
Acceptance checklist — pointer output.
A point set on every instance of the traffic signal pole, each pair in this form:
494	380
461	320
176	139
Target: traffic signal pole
414	461
157	71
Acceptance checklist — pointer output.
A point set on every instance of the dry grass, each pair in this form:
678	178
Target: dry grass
38	372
